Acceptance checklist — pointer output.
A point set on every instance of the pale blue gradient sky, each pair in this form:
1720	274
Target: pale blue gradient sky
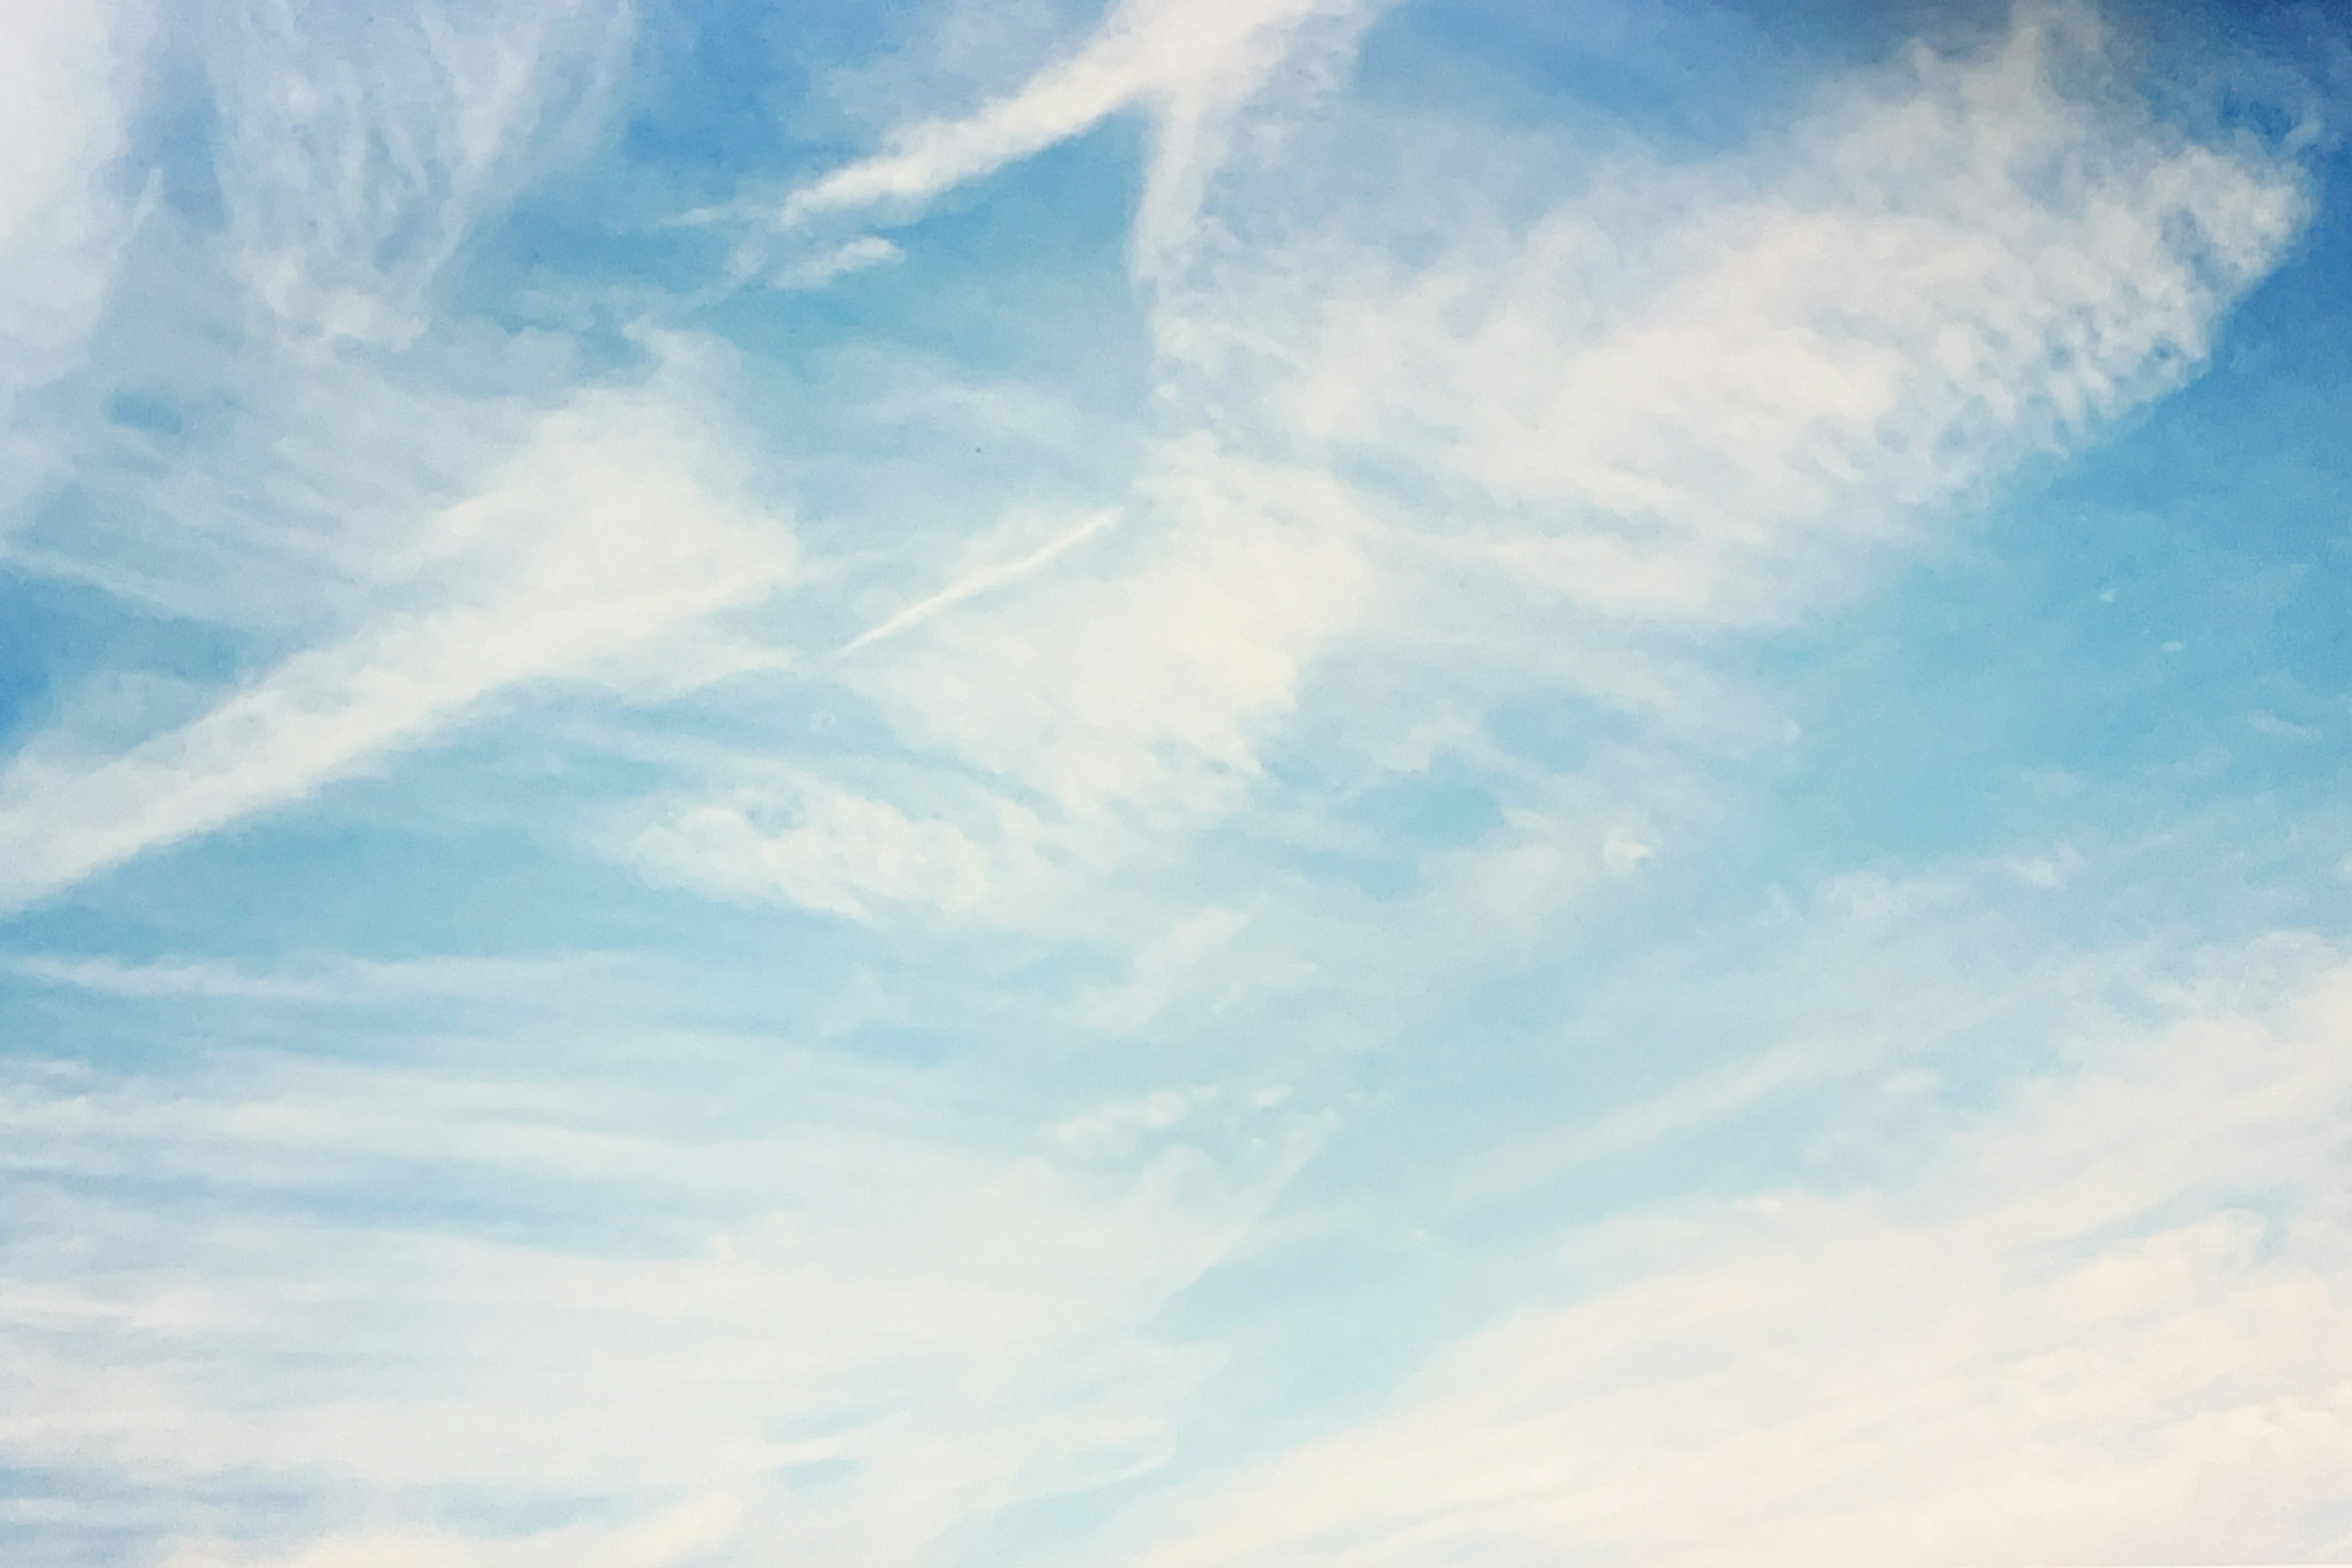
1231	785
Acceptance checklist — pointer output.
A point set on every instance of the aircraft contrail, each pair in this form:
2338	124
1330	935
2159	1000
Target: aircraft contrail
979	582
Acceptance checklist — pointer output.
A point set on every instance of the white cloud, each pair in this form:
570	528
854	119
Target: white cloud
979	582
1114	1128
1193	65
1695	395
1141	688
677	1535
852	1318
839	1340
357	154
1071	720
619	524
1527	871
68	86
1678	401
1163	968
855	255
326	981
2094	1325
804	840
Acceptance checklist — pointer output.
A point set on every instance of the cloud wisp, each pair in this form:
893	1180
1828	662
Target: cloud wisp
66	100
822	1338
2058	1338
1192	67
357	154
1744	429
1403	825
979	582
615	526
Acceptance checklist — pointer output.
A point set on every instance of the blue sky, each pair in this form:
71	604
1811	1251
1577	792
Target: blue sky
1200	785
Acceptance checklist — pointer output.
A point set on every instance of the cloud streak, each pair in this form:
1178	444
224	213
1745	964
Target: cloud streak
979	582
1684	403
828	1339
616	525
66	93
1706	396
1191	66
1405	836
358	156
2058	1340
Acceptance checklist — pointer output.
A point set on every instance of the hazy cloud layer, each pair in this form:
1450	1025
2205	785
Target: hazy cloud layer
1180	785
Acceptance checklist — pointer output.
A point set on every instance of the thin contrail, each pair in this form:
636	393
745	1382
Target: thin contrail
979	582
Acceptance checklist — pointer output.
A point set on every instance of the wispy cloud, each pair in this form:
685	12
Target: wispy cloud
1705	406
357	156
1694	395
1395	836
330	980
618	522
1191	66
823	1352
1938	1371
68	88
979	582
1093	709
855	255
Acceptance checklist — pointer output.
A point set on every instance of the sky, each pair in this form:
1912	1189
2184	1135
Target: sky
1187	784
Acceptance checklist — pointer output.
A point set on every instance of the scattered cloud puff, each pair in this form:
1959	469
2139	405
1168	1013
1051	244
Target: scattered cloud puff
855	255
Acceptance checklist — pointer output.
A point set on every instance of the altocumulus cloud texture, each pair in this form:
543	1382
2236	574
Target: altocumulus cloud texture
1200	785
